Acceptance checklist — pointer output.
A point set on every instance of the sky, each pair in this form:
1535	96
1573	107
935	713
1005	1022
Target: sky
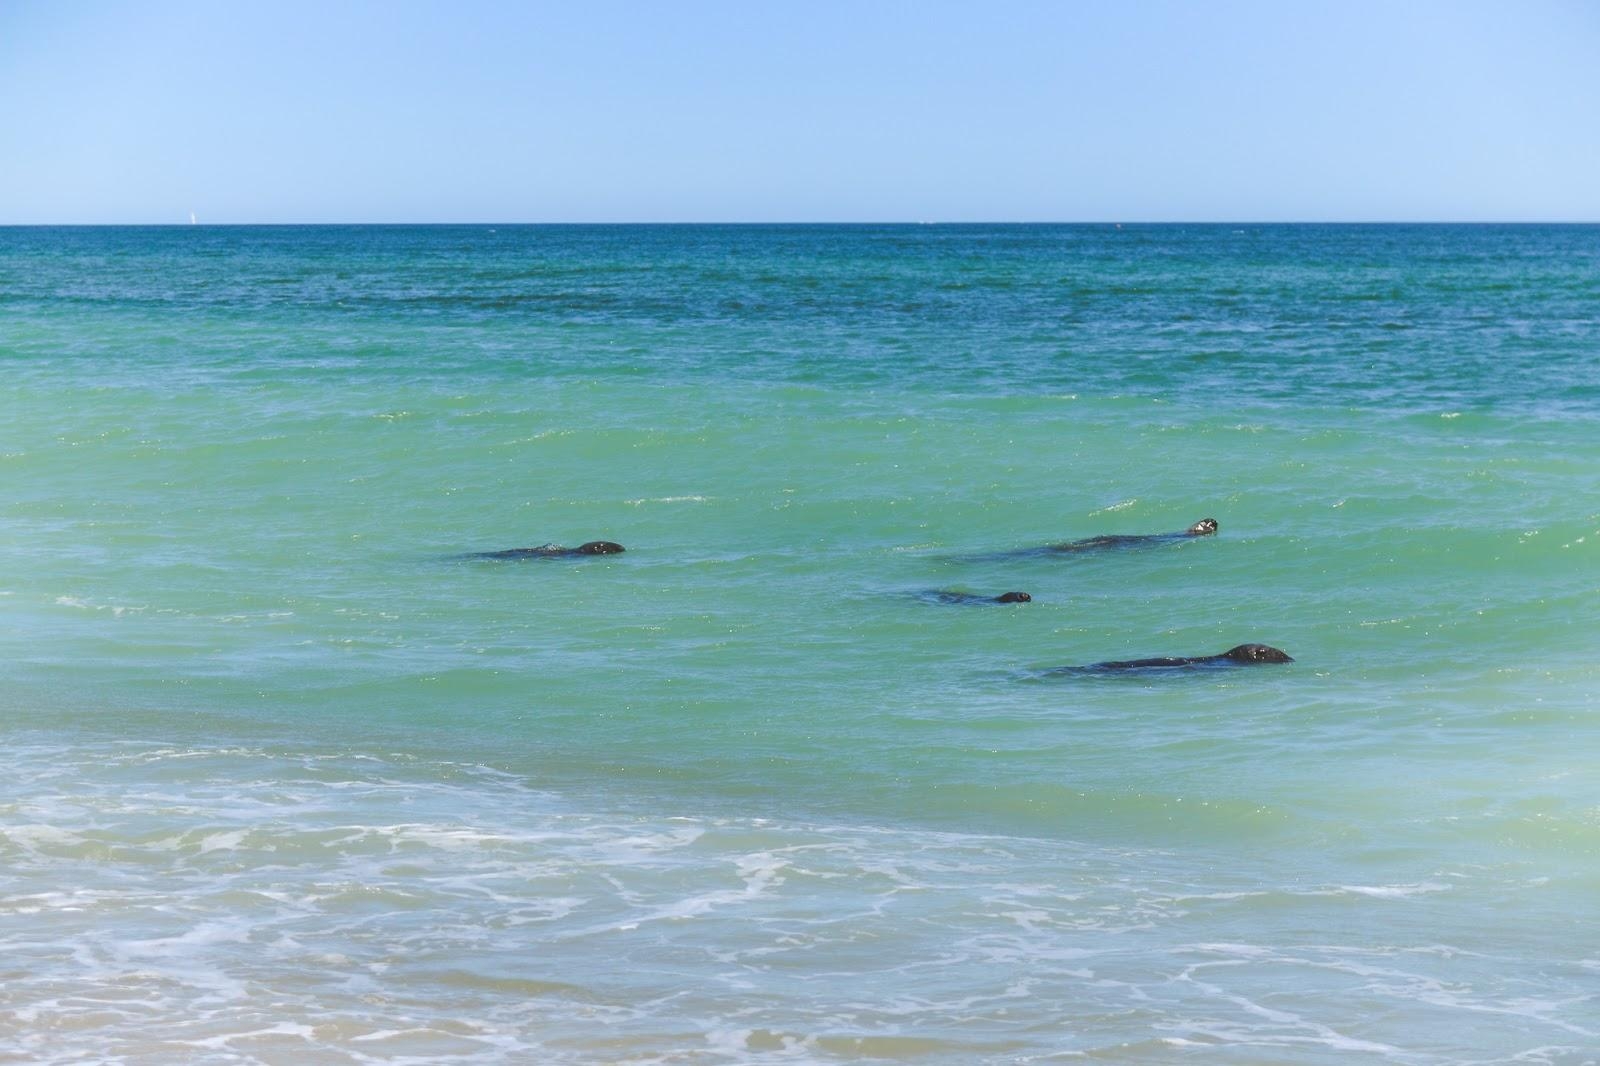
701	110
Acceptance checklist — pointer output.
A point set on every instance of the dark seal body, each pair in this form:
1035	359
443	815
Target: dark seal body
1113	542
1242	655
1203	528
554	551
947	596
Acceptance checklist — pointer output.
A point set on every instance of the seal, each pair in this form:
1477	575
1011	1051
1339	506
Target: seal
1114	542
554	551
1203	528
948	596
1240	655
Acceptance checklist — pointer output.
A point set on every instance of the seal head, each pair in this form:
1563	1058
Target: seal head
1203	528
599	547
1256	653
1013	597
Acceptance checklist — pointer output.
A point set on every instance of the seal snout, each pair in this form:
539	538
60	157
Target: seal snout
1203	528
1256	653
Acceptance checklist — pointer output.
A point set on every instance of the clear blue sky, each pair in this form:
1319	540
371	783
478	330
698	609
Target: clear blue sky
290	111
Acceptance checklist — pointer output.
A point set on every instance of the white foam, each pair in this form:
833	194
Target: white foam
33	837
203	935
220	896
81	604
226	841
225	1040
668	499
1396	891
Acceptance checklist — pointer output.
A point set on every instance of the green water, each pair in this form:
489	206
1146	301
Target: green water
295	779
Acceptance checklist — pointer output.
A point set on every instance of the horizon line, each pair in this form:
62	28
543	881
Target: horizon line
840	222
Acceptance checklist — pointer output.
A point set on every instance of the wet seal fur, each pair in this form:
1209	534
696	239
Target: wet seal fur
968	598
554	551
1204	528
1113	542
1241	655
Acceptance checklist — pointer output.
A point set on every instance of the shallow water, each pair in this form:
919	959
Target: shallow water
292	781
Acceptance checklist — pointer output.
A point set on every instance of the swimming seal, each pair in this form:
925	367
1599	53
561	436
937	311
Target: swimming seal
947	596
554	551
1203	528
1243	655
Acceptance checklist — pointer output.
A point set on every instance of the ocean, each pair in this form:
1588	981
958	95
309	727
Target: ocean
292	777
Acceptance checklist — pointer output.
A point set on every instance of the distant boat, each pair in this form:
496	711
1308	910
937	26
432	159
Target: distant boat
192	221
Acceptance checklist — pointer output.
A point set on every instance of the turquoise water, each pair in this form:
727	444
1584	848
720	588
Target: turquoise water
290	780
